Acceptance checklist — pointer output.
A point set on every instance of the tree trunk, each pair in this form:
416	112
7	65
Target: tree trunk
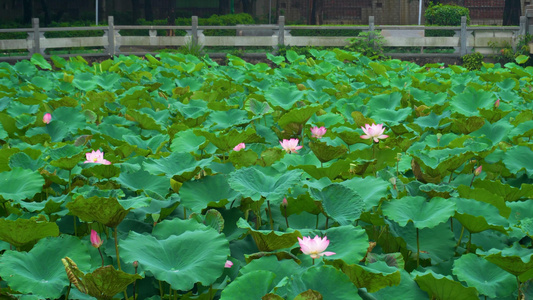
27	5
148	11
511	12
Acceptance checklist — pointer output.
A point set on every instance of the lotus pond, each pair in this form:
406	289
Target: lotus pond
323	177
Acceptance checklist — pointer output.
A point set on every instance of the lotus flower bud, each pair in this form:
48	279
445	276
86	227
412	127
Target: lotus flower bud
477	171
497	103
284	203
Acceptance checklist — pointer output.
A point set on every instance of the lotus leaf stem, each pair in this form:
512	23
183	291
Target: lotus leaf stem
116	248
270	216
417	248
460	237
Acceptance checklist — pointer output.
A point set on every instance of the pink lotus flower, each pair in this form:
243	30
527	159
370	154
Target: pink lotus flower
497	103
96	157
314	247
239	147
374	132
477	171
95	239
291	146
228	264
47	118
318	132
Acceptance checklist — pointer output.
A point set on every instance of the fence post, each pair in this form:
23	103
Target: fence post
371	25
281	31
529	19
523	23
194	31
111	36
462	37
36	37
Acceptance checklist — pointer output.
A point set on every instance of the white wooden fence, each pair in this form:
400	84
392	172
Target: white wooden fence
467	39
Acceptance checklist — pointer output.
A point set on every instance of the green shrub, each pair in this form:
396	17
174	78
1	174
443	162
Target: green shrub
445	15
216	20
324	32
369	43
83	33
13	35
473	61
507	54
282	50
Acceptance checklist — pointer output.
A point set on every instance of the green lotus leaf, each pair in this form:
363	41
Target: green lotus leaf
145	121
218	120
107	80
371	189
102	171
407	289
226	141
483	195
38	60
328	281
244	158
106	211
423	213
186	141
332	171
144	181
385	101
443	287
346	134
209	191
495	132
106	282
23	231
326	152
256	182
518	158
168	228
24	161
40	271
352	252
437	243
283	268
84	82
257	107
477	216
19	184
298	115
252	285
153	144
392	116
284	96
42	82
515	259
66	157
176	164
269	240
309	295
72	117
432	120
468	102
373	277
181	260
25	68
56	131
275	59
345	211
487	278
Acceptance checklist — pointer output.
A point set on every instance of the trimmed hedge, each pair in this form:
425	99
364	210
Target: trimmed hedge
445	15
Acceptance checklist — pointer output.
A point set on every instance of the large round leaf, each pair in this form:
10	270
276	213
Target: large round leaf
407	289
22	231
519	158
212	191
143	181
183	260
40	270
19	184
254	183
486	277
371	189
443	287
107	211
424	214
348	242
339	202
515	260
252	285
330	282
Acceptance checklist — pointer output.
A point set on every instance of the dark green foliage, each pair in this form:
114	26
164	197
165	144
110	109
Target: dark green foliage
445	15
473	61
369	44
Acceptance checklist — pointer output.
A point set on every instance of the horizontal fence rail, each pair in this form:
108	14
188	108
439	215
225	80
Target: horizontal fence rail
467	39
